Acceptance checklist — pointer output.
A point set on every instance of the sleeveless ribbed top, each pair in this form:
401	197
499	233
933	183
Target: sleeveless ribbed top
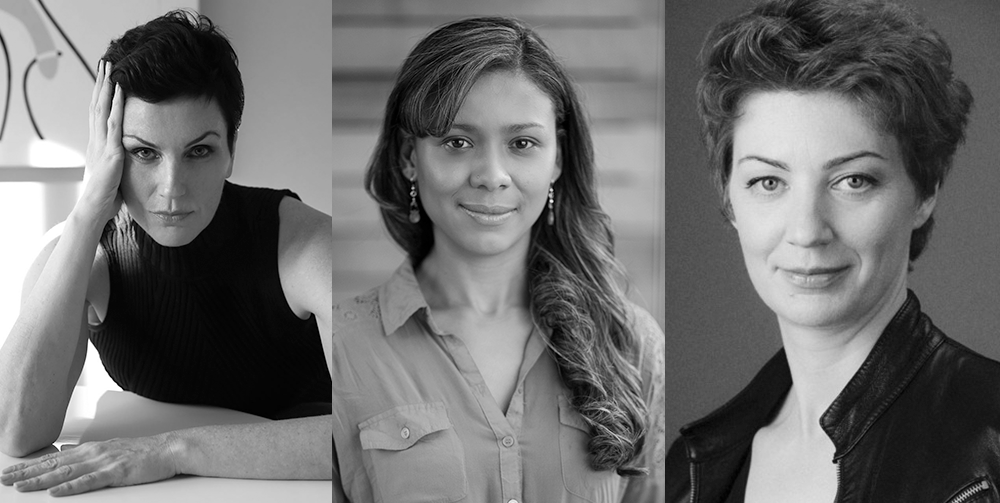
207	323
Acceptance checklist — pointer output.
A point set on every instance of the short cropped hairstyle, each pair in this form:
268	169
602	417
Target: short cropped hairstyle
179	54
880	55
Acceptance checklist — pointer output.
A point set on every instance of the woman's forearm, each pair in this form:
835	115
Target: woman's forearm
288	449
39	355
43	354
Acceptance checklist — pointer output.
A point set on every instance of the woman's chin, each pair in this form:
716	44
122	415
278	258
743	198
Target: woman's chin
172	237
816	312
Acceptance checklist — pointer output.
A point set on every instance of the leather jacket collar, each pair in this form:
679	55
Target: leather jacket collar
905	344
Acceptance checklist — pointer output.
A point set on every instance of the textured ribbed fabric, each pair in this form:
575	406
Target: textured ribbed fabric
208	323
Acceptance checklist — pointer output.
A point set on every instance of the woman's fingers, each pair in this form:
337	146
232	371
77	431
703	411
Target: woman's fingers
94	465
58	468
69	478
35	480
98	84
114	122
23	470
34	467
102	107
87	482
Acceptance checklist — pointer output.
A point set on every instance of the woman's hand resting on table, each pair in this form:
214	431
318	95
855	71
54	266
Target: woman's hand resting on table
93	465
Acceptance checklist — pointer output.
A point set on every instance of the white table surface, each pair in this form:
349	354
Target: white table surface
101	415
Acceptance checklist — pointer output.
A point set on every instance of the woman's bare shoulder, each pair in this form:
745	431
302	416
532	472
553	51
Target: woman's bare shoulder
301	226
305	256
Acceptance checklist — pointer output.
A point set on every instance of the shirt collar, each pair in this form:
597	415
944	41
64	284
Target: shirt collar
399	298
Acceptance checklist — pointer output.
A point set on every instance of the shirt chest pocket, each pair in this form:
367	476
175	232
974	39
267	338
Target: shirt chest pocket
412	453
580	479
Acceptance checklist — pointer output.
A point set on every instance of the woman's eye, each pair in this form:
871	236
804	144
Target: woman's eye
200	151
765	185
144	154
855	183
457	143
523	143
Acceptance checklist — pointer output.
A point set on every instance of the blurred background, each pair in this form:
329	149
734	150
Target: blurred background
718	331
614	51
50	48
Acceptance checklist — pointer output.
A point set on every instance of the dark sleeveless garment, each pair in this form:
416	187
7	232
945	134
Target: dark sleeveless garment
207	323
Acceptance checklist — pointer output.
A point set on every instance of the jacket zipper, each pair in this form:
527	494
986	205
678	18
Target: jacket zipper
969	492
962	497
836	495
694	483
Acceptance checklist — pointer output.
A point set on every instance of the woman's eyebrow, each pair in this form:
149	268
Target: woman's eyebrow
140	140
204	135
765	160
147	143
517	128
832	163
510	128
837	161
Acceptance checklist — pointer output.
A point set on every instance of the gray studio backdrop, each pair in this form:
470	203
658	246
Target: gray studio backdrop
718	331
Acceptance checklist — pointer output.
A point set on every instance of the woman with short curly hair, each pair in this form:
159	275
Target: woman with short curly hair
830	127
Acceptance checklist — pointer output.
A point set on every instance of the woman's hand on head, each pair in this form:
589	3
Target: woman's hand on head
94	465
101	197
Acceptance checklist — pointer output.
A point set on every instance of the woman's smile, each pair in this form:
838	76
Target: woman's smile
488	214
484	183
823	206
814	278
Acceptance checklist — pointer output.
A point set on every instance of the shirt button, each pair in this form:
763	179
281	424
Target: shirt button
405	432
507	442
512	501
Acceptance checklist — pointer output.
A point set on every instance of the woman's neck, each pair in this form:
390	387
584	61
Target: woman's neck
483	285
823	360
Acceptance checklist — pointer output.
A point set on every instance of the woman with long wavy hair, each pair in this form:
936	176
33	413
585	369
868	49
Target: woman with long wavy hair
502	360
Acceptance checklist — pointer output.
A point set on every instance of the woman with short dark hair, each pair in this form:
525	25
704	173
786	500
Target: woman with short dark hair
193	289
830	127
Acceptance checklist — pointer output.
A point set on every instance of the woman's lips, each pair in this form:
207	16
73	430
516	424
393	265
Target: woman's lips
171	217
814	278
488	214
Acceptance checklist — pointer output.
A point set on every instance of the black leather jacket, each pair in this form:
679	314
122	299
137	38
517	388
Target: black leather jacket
919	421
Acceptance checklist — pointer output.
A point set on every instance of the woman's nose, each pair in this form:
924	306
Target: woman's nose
172	183
490	171
808	220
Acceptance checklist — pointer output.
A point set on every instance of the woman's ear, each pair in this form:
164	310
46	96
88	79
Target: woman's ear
558	168
407	154
232	153
727	209
925	209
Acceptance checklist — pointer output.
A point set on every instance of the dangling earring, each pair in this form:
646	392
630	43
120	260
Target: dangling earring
414	211
551	219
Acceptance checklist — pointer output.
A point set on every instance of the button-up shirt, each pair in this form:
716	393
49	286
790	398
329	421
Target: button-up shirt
415	421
